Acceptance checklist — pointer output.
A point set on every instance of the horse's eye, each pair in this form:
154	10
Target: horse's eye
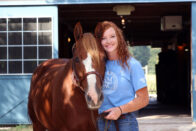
77	60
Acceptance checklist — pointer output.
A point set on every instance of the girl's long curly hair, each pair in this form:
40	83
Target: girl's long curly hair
122	49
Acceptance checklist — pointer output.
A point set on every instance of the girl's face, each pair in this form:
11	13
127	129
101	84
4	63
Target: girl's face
109	41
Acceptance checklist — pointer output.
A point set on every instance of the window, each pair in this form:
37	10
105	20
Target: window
24	44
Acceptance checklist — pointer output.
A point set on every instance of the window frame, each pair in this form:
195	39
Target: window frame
37	45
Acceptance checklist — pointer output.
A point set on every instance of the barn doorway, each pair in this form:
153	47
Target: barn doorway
158	25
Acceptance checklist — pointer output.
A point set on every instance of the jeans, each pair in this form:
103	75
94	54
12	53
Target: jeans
127	122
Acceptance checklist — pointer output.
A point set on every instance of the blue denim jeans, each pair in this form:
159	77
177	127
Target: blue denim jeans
127	122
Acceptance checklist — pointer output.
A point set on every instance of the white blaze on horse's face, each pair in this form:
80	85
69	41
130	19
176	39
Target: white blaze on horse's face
91	80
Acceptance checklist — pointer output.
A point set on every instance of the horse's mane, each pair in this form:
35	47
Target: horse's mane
90	45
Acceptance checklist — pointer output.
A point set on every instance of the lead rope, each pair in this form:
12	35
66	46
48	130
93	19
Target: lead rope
93	119
107	125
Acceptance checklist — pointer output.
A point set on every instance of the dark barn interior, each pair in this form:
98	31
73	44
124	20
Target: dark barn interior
142	27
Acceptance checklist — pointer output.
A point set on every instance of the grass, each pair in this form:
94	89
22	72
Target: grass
151	83
19	128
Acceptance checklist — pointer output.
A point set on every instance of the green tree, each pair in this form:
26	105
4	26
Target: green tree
146	55
141	53
153	59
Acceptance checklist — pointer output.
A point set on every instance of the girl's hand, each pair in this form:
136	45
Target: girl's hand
113	113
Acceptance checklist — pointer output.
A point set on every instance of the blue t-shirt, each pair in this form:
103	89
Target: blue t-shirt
120	84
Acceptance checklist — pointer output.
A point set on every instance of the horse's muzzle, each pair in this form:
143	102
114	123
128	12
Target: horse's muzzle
94	102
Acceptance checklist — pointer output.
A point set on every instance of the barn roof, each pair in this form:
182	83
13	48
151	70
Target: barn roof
60	2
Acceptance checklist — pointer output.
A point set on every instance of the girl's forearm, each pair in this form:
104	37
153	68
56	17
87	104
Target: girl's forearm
141	100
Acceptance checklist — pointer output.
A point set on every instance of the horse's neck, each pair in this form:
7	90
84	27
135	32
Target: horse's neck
69	78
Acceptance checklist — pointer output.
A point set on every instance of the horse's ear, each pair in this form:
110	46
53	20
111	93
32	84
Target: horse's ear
98	30
78	32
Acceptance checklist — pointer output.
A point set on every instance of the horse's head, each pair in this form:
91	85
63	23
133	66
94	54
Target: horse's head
88	66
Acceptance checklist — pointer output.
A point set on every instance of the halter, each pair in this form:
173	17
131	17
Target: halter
79	81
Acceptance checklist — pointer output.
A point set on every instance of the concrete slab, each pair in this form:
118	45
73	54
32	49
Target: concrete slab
159	117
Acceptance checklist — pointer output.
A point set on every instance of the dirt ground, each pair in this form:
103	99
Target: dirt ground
158	117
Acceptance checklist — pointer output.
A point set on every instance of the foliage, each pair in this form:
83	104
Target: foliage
141	53
153	60
146	55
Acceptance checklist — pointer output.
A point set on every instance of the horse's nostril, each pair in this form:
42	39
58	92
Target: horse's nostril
88	98
90	101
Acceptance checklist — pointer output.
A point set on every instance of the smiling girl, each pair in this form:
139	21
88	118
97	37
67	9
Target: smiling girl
124	88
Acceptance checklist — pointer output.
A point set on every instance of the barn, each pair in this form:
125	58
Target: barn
32	31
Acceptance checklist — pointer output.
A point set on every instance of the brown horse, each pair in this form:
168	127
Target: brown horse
63	93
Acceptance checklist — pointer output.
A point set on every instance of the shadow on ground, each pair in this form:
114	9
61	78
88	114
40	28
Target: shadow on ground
159	117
